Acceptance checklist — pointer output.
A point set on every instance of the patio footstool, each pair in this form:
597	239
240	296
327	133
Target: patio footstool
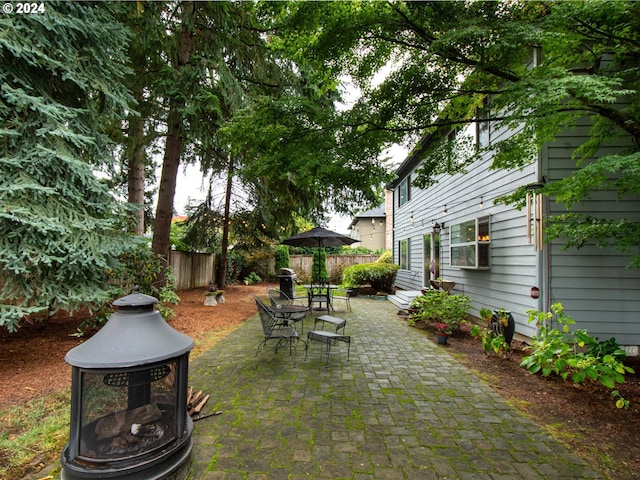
328	338
338	322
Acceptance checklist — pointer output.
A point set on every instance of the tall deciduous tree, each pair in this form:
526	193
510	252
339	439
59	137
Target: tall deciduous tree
543	67
60	236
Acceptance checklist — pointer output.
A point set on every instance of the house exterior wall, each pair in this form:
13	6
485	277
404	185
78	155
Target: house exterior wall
513	271
370	235
591	283
388	226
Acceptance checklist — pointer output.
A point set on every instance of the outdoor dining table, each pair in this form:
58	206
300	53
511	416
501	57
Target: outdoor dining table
330	287
285	311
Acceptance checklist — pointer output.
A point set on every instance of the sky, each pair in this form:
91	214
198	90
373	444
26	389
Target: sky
190	186
189	183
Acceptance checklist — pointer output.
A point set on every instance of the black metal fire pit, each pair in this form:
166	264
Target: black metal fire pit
129	398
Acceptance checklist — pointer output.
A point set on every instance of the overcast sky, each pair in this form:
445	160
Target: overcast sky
189	186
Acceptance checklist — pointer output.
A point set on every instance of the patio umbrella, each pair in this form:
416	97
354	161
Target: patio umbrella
319	237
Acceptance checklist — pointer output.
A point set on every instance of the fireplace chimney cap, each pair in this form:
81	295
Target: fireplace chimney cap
136	301
134	335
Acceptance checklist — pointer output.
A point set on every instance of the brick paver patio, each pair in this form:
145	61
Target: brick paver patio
400	408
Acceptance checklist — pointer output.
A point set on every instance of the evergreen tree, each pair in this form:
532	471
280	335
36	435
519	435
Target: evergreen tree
60	237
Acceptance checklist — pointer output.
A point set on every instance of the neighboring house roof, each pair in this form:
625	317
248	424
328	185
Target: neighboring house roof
377	212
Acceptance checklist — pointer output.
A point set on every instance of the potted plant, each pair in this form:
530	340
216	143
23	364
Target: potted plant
443	330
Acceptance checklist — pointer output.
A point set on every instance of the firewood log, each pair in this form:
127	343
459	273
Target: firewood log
120	422
193	401
197	408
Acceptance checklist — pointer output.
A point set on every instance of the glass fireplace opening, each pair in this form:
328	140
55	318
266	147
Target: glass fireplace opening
127	412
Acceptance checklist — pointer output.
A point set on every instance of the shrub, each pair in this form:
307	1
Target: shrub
574	355
492	337
442	307
281	257
379	275
235	264
252	278
319	264
385	257
139	268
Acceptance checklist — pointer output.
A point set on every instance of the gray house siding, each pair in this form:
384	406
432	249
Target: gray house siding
513	270
592	283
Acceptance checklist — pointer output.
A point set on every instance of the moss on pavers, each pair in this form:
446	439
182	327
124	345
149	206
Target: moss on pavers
399	408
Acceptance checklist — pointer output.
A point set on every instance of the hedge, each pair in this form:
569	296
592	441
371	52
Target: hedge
380	275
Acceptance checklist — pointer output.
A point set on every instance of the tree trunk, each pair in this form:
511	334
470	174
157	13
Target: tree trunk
167	190
136	158
222	271
173	148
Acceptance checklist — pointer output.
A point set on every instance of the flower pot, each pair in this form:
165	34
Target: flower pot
442	338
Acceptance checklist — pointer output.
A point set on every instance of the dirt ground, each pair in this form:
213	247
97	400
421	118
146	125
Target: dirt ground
33	359
586	420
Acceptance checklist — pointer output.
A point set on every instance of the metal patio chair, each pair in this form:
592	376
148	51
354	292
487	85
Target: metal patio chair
275	329
320	294
278	297
344	298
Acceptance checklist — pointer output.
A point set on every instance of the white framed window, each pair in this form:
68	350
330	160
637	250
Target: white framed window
404	191
470	242
483	129
403	249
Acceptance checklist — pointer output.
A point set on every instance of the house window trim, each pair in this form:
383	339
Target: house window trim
482	245
406	182
405	263
482	122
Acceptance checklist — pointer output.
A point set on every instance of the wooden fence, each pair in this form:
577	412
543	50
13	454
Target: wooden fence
302	264
192	269
195	270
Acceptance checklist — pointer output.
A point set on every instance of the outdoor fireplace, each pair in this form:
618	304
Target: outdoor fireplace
129	398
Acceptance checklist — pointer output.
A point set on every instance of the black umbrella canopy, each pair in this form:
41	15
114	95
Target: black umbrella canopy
319	237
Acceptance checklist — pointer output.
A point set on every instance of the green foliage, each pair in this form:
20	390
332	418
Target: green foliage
319	267
492	341
139	268
257	260
574	355
359	250
441	307
252	278
386	257
585	69
202	229
177	237
60	227
236	262
379	275
281	258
